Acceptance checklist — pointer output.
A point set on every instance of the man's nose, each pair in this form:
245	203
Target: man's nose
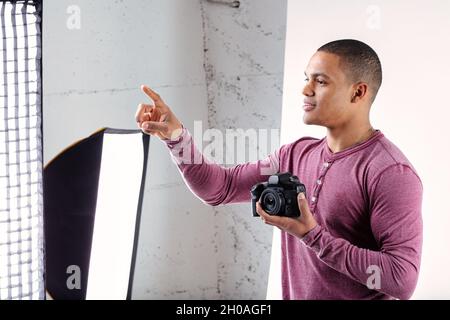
307	91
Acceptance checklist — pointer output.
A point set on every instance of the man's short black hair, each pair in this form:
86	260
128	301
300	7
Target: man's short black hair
360	62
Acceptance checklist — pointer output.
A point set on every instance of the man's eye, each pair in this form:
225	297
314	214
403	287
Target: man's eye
320	81
306	80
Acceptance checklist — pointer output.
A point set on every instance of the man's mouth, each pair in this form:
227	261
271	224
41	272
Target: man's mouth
308	106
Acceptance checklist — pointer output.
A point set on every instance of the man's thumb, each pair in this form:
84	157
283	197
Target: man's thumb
302	203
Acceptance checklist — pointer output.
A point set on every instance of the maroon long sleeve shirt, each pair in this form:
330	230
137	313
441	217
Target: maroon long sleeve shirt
367	202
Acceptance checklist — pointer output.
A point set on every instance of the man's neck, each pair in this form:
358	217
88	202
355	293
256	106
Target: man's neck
339	139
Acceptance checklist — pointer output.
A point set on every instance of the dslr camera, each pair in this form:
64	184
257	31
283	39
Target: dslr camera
278	196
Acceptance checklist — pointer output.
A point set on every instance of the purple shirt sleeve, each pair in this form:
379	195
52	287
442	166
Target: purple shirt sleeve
213	183
396	201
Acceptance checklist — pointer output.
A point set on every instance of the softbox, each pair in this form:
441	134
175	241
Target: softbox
21	210
93	194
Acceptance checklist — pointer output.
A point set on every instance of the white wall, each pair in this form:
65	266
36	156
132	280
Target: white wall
91	77
411	39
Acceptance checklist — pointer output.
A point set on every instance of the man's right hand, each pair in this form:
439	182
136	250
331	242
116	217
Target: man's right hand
157	119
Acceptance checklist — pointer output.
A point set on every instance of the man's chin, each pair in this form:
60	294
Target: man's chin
308	120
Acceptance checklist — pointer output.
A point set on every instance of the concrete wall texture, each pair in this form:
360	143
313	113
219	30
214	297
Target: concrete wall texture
212	63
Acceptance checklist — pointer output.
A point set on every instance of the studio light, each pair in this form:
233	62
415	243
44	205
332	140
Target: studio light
93	193
21	207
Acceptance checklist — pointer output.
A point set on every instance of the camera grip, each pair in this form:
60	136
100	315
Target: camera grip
254	201
256	191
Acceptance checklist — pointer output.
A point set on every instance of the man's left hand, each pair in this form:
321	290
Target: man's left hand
295	226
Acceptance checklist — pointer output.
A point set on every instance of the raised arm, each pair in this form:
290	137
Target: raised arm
211	182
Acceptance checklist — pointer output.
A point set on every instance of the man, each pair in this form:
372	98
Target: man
359	235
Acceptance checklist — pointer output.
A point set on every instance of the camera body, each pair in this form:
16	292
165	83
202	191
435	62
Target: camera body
278	195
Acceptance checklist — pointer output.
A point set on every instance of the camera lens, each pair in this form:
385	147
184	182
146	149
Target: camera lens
272	201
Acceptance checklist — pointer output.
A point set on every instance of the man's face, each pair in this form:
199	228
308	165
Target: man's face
327	92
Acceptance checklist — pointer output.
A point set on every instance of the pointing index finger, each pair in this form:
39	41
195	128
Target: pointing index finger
150	93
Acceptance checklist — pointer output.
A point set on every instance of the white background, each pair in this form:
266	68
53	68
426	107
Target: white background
412	107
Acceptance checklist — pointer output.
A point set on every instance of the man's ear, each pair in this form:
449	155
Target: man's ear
360	90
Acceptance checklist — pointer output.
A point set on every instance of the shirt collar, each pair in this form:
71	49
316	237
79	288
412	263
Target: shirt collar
337	155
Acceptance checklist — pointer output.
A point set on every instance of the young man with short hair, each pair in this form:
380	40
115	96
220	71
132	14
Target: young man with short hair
362	216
